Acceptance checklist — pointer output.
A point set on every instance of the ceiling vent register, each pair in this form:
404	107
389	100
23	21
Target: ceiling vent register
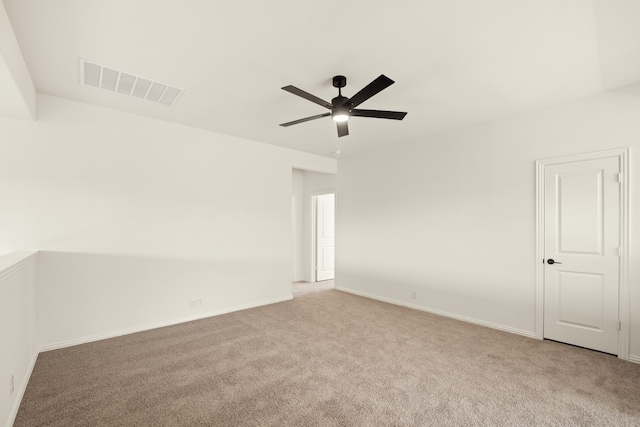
99	76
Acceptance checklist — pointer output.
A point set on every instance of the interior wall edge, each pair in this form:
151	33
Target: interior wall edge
17	328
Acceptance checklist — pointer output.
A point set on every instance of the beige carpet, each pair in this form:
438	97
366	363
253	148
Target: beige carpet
328	358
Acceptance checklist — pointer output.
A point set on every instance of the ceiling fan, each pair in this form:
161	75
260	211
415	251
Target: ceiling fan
342	108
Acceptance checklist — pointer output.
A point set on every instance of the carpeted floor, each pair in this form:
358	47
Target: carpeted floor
329	358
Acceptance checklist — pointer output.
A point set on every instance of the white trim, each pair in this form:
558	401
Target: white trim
624	313
314	262
491	325
14	261
23	388
294	236
634	359
314	231
539	250
151	326
593	155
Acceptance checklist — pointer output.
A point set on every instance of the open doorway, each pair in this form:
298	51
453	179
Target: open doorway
307	188
324	236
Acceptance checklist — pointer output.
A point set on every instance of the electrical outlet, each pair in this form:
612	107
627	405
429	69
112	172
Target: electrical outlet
414	294
196	302
11	385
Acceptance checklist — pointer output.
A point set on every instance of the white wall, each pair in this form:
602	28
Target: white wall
297	191
453	216
17	329
135	217
18	93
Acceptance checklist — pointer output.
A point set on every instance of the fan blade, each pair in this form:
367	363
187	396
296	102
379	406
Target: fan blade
379	114
343	129
371	89
306	95
295	122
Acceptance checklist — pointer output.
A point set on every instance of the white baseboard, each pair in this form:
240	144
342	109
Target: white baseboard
21	390
497	326
634	359
85	340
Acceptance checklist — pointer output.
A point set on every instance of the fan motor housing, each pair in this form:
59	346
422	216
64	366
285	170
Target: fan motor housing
339	101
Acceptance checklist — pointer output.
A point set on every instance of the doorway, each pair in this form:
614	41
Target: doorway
324	236
294	238
582	291
306	188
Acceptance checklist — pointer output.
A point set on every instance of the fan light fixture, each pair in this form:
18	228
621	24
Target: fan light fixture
342	108
340	115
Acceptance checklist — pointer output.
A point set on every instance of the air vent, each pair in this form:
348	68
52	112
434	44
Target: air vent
99	76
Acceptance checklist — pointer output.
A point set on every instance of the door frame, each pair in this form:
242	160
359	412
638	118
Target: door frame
623	302
294	235
314	231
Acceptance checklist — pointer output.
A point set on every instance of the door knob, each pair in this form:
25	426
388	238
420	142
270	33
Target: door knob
551	261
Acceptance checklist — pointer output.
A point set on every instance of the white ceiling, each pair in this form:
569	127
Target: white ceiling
455	62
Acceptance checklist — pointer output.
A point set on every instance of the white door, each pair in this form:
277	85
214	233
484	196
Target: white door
582	239
325	212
